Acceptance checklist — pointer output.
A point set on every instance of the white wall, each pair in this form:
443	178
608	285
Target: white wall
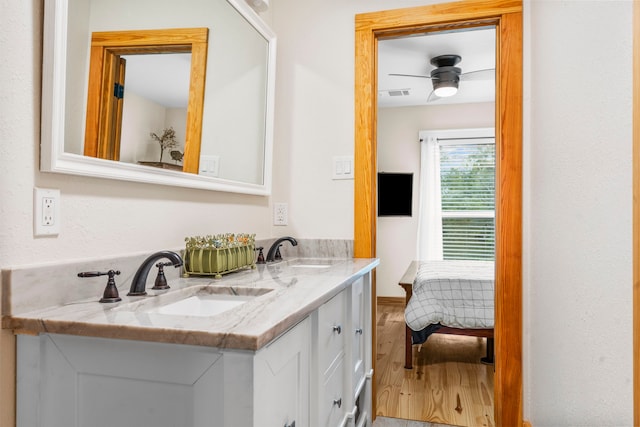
100	218
577	212
579	263
577	190
399	151
140	116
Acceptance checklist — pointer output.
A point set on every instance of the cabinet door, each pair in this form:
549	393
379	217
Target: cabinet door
332	332
358	311
281	380
81	381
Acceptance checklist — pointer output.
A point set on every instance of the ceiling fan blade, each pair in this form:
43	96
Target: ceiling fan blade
432	97
411	75
487	74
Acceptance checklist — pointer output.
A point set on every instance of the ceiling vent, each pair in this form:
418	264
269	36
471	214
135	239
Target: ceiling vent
394	92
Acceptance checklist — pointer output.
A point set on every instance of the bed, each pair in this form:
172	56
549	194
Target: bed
448	297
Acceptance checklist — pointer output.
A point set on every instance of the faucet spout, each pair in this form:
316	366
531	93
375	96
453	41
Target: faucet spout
274	252
139	281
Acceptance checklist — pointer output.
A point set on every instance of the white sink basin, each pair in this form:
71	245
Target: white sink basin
202	301
201	305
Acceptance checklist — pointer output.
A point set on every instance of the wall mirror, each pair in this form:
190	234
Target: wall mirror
215	60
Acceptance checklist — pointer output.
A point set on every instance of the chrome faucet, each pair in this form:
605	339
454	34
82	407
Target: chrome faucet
139	281
274	250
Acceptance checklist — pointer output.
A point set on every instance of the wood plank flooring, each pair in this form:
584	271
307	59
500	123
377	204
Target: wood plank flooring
447	384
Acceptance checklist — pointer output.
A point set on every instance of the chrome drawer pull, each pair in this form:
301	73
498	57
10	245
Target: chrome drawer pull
337	329
359	331
338	402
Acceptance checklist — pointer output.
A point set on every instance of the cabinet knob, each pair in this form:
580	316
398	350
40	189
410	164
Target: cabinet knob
359	331
338	329
338	402
293	424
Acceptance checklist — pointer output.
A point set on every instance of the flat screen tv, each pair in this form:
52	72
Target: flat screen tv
394	194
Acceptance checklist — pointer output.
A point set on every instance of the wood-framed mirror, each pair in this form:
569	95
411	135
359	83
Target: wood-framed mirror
506	16
107	76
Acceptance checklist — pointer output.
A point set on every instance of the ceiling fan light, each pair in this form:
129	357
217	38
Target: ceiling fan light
445	91
445	81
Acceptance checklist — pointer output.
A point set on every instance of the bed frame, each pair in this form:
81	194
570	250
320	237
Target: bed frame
407	284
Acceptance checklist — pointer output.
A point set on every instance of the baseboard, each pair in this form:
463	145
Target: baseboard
390	301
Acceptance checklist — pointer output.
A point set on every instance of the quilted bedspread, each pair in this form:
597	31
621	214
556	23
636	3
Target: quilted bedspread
457	294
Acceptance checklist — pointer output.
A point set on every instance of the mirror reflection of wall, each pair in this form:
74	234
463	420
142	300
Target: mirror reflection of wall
154	100
235	104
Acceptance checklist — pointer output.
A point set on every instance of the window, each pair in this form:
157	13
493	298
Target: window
467	185
457	195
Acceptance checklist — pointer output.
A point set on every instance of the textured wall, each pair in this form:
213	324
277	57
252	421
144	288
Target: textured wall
399	151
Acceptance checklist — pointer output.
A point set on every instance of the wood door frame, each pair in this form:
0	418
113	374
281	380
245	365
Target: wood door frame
506	15
107	46
636	214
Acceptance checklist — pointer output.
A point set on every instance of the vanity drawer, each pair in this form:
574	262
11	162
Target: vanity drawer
333	403
331	331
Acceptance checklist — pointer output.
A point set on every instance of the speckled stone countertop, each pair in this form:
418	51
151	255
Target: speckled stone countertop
289	292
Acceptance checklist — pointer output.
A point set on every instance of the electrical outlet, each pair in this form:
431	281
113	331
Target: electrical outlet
46	212
280	214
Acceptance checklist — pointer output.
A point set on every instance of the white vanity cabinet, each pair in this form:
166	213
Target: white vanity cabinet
330	331
315	374
361	354
281	393
341	362
66	380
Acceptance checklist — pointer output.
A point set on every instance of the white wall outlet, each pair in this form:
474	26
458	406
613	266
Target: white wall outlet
209	165
343	167
46	212
280	214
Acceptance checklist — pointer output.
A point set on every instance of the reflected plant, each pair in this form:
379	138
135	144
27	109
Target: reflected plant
167	140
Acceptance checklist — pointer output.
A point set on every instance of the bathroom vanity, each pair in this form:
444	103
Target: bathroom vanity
292	348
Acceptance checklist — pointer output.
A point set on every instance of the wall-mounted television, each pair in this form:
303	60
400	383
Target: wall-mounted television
395	192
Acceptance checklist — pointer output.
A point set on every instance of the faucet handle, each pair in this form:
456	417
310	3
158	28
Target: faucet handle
260	256
278	255
110	291
161	280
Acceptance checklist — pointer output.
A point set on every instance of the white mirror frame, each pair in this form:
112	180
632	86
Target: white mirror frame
52	155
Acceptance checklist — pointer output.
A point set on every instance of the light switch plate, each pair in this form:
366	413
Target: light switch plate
342	167
209	165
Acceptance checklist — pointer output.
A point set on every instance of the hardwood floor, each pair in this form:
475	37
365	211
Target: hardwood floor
447	384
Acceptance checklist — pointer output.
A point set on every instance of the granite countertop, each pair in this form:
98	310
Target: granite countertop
289	291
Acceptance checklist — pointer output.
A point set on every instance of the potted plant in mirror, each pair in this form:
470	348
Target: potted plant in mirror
167	140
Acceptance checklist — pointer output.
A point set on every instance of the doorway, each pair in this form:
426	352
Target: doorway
506	16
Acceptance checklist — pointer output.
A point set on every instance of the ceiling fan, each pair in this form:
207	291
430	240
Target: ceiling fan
446	76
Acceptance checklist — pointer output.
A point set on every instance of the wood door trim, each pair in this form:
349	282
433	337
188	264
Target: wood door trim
507	16
636	214
108	44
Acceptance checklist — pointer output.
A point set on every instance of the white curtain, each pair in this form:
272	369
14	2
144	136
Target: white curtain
430	217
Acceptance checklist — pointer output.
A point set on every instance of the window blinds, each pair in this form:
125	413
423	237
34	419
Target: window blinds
467	174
